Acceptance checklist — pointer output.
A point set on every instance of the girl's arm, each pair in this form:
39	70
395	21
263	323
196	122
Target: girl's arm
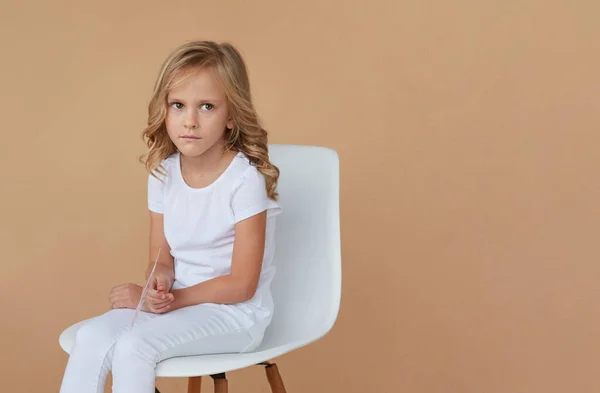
158	241
128	295
240	285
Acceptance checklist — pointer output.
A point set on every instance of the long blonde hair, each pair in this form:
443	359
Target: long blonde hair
247	134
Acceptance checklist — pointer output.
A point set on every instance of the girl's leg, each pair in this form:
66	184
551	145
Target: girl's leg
195	330
92	352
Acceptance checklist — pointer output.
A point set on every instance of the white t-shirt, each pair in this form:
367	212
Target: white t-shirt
199	225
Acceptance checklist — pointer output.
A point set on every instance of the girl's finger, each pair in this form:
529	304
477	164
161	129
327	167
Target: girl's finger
158	304
117	291
119	287
118	296
160	310
160	296
161	303
153	294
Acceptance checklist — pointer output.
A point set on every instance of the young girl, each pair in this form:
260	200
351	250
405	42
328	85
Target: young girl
212	200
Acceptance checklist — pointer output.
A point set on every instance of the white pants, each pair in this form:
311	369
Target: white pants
106	343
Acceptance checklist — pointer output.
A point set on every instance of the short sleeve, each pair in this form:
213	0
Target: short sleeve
250	197
155	193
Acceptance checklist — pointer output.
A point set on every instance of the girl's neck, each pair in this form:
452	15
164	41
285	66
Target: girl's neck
209	162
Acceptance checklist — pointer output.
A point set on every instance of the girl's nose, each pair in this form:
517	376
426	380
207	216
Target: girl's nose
191	121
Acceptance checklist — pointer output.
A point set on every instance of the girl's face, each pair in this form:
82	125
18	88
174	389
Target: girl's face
197	113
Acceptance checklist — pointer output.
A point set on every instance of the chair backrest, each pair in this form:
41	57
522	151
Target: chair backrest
307	284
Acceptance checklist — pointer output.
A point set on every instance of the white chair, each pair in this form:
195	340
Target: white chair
307	284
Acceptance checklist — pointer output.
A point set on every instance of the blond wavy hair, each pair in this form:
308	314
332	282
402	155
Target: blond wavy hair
247	134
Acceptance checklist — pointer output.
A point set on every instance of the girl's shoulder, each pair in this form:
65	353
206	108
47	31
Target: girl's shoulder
170	161
243	170
166	167
249	192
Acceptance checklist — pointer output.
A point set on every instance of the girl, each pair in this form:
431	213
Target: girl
212	200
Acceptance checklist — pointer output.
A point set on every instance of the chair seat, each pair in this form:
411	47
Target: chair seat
195	366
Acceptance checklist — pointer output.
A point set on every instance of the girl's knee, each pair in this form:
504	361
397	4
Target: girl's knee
90	335
101	331
133	346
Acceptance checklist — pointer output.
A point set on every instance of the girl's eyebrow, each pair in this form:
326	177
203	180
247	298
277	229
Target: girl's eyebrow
201	100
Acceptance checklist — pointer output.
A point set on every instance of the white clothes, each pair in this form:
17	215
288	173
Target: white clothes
199	225
105	343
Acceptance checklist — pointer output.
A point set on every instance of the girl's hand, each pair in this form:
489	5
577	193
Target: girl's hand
128	296
125	296
158	301
158	297
163	279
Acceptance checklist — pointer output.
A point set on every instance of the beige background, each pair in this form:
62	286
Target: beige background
468	136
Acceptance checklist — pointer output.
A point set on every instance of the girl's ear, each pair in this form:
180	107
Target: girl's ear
230	124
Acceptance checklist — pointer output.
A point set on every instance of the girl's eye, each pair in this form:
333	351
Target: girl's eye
207	106
177	105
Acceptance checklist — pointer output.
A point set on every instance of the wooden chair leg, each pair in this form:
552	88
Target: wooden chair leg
220	385
220	381
274	378
194	384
